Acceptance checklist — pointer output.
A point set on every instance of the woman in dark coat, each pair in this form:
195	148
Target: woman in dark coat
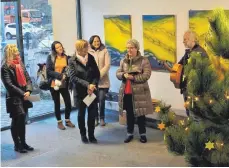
18	86
85	75
56	67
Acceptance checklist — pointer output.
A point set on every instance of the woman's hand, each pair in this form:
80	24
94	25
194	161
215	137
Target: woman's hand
128	76
63	78
26	95
91	89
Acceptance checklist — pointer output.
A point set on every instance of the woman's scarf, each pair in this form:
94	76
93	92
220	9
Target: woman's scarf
15	63
83	60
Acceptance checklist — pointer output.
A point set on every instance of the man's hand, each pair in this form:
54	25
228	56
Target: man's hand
26	95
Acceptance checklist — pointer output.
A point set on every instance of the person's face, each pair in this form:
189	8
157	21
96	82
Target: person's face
16	55
131	50
59	49
188	41
83	52
96	43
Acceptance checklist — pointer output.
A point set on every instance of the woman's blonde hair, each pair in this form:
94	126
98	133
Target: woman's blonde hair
9	53
81	44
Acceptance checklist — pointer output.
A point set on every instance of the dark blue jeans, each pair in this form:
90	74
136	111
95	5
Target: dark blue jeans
101	94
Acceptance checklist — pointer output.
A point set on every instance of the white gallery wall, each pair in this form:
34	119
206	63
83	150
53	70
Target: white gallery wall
92	23
64	22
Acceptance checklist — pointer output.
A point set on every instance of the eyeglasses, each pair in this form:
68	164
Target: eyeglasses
130	48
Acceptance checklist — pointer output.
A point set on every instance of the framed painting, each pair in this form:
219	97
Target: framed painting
159	38
117	32
199	23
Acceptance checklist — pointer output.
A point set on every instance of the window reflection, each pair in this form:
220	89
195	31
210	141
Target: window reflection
37	39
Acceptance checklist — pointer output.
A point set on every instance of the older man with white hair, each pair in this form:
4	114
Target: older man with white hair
191	44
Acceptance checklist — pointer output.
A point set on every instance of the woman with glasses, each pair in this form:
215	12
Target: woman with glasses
134	94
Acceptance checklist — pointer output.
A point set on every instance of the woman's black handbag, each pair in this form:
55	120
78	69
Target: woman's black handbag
27	104
44	85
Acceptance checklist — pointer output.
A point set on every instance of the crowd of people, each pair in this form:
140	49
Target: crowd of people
87	72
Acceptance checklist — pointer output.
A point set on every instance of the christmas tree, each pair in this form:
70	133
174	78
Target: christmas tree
207	142
204	137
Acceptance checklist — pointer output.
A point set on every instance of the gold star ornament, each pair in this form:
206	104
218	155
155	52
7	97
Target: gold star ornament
209	145
161	126
158	109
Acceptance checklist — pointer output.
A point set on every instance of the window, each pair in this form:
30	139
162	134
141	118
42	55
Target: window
7	36
37	39
35	14
12	26
24	14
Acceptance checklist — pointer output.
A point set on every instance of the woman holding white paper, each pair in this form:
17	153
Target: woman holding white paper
18	86
85	75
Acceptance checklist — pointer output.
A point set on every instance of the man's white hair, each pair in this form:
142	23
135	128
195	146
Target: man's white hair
193	36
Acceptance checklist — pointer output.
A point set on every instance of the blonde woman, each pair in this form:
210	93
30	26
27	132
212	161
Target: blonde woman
134	95
84	75
103	60
18	86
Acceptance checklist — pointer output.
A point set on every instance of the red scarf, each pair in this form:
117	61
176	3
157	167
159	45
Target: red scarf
19	71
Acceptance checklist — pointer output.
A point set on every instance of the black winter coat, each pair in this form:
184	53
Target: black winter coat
15	93
81	76
184	61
